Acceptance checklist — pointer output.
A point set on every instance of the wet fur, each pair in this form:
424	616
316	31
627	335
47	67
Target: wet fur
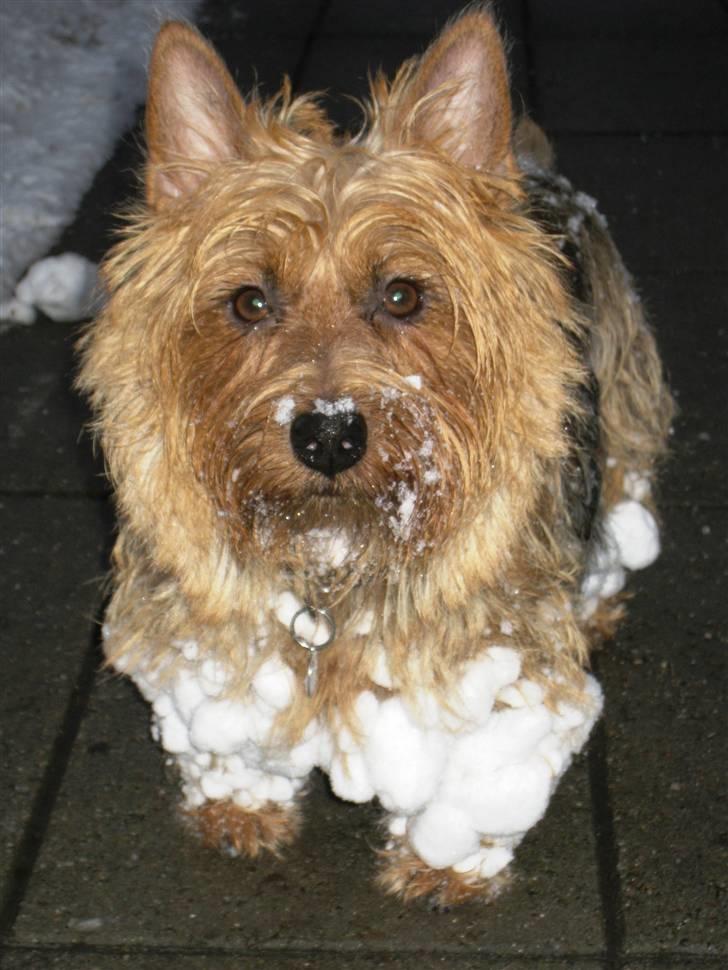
212	504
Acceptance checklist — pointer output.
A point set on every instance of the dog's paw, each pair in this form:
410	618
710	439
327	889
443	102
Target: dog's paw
237	831
404	874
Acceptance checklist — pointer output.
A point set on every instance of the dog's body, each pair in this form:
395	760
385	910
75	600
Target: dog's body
381	415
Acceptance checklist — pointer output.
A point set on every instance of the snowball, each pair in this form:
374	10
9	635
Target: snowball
397	825
510	800
213	677
443	835
274	683
635	533
214	784
220	726
172	732
63	287
404	762
522	694
494	860
349	778
187	694
17	312
604	574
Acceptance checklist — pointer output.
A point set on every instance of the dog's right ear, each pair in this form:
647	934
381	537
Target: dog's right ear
195	115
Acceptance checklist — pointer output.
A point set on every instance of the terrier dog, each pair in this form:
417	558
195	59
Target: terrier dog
382	416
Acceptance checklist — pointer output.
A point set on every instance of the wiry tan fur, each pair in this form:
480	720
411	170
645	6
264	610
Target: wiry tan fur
403	874
213	507
225	825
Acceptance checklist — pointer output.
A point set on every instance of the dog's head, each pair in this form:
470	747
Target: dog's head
306	331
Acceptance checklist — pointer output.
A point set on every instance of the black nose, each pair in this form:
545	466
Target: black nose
329	443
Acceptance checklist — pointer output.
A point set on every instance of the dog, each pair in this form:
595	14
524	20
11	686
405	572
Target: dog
382	415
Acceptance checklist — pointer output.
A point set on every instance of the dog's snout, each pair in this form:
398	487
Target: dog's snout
329	443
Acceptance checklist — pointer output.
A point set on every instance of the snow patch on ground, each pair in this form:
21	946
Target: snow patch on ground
63	287
73	74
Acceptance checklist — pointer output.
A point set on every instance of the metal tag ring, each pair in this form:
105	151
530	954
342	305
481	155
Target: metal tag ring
301	640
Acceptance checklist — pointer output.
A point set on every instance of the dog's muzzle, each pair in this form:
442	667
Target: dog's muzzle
329	443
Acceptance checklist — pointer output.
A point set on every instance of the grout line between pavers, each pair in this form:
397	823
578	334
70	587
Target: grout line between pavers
607	852
656	960
31	841
298	951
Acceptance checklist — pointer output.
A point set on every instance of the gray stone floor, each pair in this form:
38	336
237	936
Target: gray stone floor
629	869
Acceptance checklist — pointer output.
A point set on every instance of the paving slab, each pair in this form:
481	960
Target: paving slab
44	450
51	557
625	84
340	65
117	854
665	198
355	41
648	19
690	318
664	679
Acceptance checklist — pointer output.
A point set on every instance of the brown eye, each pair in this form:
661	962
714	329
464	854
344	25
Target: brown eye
250	305
401	299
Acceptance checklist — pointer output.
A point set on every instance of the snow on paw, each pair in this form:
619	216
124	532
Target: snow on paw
238	831
402	873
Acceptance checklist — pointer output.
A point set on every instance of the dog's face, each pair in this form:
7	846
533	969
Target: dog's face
360	335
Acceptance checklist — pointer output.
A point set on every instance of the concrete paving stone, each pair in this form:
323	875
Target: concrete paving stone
341	65
647	19
356	40
248	21
406	16
688	314
103	959
259	41
43	449
116	852
632	84
664	679
665	198
51	556
412	17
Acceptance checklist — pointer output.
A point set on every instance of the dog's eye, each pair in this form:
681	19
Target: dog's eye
401	299
250	305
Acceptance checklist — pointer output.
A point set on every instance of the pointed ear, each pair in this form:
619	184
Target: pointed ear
460	94
194	114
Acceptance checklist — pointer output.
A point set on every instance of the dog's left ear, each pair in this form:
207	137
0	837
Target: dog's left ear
459	95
